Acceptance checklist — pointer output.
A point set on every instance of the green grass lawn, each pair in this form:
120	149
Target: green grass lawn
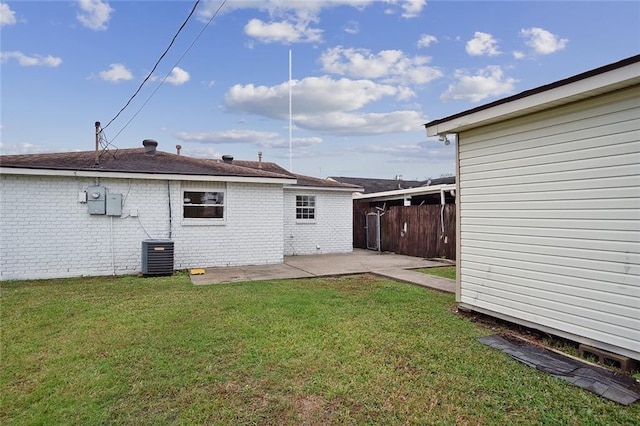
349	350
440	271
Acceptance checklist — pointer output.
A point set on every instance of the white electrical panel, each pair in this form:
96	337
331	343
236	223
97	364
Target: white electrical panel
114	204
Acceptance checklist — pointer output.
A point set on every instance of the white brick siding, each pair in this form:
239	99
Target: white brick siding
46	233
331	232
251	233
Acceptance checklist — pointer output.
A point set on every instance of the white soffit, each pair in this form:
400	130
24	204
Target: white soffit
582	89
399	194
302	188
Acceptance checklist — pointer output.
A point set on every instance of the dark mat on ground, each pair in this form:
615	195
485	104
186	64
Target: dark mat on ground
617	387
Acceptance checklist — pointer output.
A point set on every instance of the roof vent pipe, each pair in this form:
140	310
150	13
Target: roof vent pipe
96	156
178	148
149	147
259	159
227	159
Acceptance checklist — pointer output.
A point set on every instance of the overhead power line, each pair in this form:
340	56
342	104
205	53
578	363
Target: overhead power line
169	73
193	9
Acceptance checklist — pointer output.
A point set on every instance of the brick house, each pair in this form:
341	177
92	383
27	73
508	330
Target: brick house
63	215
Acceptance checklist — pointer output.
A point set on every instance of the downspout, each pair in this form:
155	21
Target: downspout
442	202
458	226
169	198
113	254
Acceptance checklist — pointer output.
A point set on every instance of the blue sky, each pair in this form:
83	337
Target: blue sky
366	75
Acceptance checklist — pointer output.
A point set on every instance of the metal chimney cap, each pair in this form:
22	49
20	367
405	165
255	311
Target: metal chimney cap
227	159
149	146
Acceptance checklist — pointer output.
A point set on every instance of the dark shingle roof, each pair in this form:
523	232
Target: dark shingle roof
372	185
302	179
134	161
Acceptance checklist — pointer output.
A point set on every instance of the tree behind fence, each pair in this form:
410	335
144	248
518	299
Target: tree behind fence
423	237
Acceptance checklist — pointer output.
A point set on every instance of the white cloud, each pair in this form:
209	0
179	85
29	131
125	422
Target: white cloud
518	54
290	21
178	76
281	8
360	124
322	104
229	137
313	95
282	32
412	8
7	16
310	141
115	73
482	44
396	150
30	61
489	81
352	27
201	151
542	41
427	40
392	66
94	14
240	136
23	148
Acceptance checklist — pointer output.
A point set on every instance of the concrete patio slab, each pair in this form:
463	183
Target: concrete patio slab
390	265
248	273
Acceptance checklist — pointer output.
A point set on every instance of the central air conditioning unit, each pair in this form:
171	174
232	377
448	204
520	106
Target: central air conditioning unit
157	257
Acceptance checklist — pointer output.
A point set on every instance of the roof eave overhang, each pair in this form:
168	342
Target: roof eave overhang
538	100
400	194
144	176
321	188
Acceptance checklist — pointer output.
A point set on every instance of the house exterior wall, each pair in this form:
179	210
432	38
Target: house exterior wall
549	220
45	232
251	234
330	232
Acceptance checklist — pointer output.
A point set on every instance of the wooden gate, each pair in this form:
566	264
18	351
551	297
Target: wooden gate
373	231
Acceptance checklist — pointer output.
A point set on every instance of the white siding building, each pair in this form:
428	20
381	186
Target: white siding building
548	192
248	216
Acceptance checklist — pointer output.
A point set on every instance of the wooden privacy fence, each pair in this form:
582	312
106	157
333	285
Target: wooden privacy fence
422	236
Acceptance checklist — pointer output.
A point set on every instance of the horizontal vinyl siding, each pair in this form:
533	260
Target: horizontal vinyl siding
550	220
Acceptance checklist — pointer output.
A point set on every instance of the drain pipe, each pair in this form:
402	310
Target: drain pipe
113	254
169	198
442	202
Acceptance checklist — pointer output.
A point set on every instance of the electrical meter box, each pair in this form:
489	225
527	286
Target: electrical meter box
96	199
114	204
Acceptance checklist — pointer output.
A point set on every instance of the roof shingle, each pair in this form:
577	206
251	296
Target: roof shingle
135	160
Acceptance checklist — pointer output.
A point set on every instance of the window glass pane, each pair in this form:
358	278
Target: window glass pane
216	198
305	206
203	204
208	212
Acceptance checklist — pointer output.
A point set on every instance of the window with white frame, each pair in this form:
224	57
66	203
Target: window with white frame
203	204
305	207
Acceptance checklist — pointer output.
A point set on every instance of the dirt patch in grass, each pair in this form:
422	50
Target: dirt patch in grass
536	337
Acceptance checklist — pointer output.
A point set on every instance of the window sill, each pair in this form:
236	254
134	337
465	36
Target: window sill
204	222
